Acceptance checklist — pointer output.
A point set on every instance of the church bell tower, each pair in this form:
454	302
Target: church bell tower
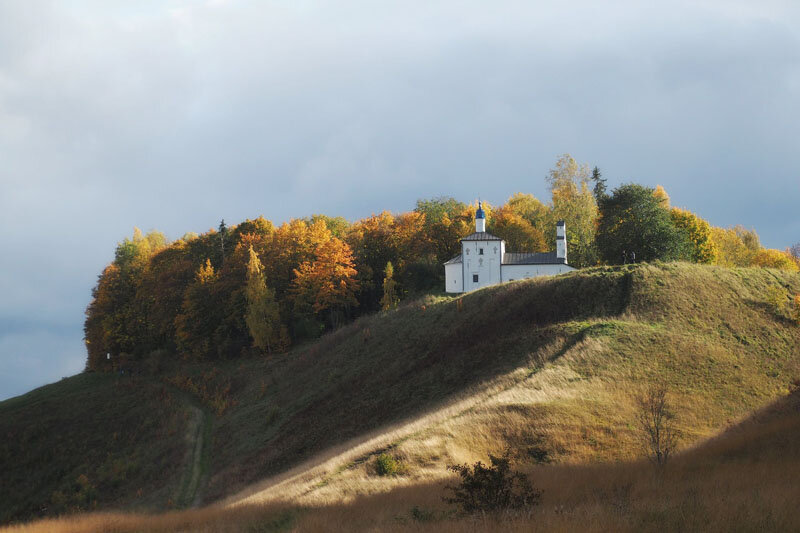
480	219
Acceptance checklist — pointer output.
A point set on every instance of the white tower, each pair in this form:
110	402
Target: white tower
561	241
480	220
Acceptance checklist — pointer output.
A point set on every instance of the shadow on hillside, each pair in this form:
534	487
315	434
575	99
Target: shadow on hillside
387	368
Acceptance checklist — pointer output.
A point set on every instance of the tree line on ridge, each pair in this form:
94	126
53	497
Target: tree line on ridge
257	288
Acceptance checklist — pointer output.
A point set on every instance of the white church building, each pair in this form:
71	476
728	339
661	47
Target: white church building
483	260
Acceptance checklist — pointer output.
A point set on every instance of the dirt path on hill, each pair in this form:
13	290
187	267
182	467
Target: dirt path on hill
197	431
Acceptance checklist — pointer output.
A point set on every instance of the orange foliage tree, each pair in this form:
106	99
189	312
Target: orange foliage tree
328	282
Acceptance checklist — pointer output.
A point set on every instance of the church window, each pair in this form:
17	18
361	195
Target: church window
480	251
467	251
474	278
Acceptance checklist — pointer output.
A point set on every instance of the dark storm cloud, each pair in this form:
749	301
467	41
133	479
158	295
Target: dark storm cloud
174	115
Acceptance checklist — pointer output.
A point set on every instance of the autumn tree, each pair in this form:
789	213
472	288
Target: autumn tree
737	246
731	251
634	220
770	258
390	299
533	210
259	227
374	242
574	202
116	320
160	293
201	315
519	234
262	317
663	198
329	282
698	233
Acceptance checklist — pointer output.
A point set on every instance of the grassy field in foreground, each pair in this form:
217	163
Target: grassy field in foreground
742	480
545	367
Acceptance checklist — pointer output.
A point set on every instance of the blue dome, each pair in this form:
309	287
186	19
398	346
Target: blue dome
479	213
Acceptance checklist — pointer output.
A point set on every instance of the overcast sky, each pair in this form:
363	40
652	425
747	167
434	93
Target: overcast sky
175	114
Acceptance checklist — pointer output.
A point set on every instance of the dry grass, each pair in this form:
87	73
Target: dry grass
743	480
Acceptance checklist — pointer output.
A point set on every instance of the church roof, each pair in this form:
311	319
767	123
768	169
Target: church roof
537	258
481	236
521	258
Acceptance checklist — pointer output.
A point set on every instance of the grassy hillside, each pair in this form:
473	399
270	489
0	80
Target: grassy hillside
745	479
91	441
543	366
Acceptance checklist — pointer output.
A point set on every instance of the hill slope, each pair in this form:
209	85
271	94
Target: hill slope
545	366
91	441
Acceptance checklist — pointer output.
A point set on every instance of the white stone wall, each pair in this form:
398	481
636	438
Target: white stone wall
486	265
515	272
453	278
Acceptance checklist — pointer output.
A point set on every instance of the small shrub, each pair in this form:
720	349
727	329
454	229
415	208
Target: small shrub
492	488
777	299
539	454
422	515
796	310
386	465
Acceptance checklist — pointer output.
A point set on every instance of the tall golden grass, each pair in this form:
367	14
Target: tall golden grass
742	480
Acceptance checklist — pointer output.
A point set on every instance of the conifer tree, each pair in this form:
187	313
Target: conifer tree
599	185
390	299
262	316
223	234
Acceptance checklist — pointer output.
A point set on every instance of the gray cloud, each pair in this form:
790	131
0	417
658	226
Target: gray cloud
174	115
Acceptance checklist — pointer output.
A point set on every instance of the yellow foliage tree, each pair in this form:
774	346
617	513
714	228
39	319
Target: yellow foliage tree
574	202
771	258
390	299
531	209
662	196
731	250
705	249
262	316
519	234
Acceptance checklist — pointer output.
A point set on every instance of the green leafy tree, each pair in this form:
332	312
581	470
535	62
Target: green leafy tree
633	220
435	209
262	316
338	226
390	299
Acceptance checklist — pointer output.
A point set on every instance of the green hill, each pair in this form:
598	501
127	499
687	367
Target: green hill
545	366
